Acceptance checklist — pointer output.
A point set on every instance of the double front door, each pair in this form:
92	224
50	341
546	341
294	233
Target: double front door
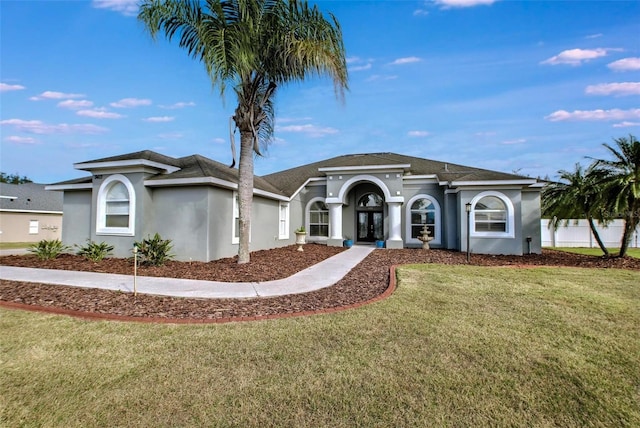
370	226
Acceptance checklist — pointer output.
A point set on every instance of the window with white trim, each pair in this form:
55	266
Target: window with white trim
492	215
116	206
318	213
283	220
34	226
423	210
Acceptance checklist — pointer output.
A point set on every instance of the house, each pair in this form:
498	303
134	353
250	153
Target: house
368	197
28	213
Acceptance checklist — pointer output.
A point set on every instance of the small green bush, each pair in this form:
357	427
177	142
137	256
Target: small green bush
94	251
48	249
154	251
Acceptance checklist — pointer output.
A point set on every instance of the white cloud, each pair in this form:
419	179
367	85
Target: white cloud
131	102
99	113
380	77
418	133
594	115
625	64
39	127
625	124
21	140
180	104
446	4
594	36
125	7
420	12
514	142
618	89
406	60
360	67
576	56
310	130
54	95
5	87
171	136
159	119
75	104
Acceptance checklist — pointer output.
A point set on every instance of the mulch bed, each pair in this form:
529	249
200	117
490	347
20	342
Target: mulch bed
364	283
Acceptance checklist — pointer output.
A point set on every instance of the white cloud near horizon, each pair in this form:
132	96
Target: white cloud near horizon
514	142
55	95
39	127
406	60
594	115
6	87
131	102
360	67
180	104
125	7
171	136
75	104
447	4
308	129
99	113
625	124
576	56
21	140
625	64
418	133
617	89
159	119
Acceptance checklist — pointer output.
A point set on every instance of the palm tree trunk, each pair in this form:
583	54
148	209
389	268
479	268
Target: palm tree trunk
630	224
596	235
245	194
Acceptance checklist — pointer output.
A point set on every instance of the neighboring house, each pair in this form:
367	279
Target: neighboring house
367	197
29	213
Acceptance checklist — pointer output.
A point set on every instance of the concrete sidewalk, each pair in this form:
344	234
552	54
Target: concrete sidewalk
321	275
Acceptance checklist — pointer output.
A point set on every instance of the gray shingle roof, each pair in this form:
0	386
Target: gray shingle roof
144	154
290	180
29	197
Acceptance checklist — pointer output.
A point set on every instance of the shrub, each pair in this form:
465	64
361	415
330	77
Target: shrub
94	251
154	251
48	249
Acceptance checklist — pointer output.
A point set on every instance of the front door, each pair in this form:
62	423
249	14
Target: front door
370	226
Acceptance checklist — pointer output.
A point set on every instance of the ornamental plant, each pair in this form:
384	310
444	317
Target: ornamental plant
48	249
94	251
154	251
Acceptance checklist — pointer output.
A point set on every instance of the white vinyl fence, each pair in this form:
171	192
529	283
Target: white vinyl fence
579	234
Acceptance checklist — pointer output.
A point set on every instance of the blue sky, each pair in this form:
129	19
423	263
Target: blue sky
530	86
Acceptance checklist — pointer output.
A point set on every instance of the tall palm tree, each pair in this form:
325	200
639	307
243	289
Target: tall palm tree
576	196
254	46
621	180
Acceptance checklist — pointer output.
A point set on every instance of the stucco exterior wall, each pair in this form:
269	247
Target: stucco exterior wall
531	213
77	218
15	226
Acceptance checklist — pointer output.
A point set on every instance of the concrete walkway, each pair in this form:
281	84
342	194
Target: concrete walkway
321	275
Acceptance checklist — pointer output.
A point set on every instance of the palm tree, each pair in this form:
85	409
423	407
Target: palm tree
577	196
255	46
621	180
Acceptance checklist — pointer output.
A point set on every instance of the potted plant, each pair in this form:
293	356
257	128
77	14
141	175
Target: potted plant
301	235
348	242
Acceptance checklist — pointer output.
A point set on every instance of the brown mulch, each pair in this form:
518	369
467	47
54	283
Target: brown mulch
365	282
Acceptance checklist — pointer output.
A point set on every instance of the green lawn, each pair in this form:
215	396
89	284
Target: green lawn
631	252
14	245
453	346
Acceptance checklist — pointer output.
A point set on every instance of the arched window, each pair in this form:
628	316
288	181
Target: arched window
492	215
423	210
318	219
116	207
370	200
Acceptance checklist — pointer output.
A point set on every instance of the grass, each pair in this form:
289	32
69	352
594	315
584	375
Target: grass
454	346
631	252
14	245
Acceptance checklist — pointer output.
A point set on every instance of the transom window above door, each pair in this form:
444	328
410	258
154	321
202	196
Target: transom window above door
370	200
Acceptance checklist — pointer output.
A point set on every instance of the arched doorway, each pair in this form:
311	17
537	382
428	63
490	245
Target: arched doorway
370	217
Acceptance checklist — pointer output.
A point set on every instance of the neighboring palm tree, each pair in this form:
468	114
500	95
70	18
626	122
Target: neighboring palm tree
577	196
254	46
621	180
